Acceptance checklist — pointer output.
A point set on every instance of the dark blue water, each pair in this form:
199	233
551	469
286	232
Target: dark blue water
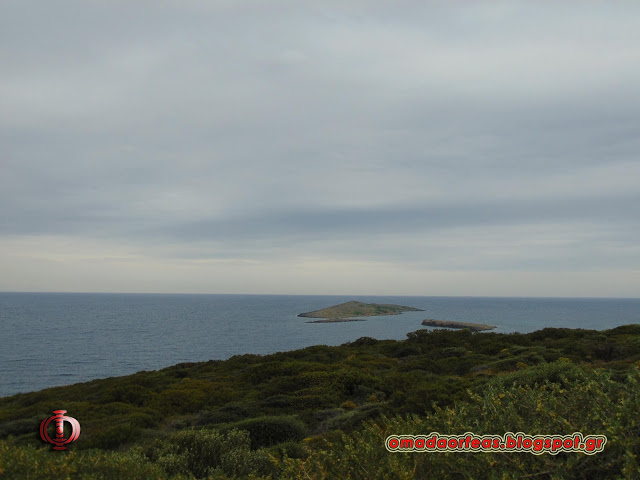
50	339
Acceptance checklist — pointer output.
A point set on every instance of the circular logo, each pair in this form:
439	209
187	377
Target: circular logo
59	441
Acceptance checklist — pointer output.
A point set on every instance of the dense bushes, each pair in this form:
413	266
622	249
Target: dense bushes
205	453
181	456
20	461
577	399
267	431
265	406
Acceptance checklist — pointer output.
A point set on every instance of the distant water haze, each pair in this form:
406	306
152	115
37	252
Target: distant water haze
52	339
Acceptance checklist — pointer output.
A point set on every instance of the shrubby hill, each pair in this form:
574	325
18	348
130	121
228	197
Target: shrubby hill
324	412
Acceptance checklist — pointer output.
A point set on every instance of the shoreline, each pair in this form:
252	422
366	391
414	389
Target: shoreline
190	364
337	320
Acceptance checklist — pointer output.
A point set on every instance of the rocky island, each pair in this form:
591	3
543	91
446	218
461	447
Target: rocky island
345	311
476	327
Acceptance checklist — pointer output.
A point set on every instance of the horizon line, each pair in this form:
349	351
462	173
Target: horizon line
319	295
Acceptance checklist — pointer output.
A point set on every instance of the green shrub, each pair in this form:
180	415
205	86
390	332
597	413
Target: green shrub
127	393
348	381
110	438
277	401
204	453
290	450
267	431
352	419
363	342
232	412
20	426
576	400
25	462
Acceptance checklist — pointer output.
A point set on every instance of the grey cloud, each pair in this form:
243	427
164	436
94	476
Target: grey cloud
293	124
414	219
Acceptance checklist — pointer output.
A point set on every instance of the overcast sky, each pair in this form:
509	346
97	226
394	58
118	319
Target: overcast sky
329	147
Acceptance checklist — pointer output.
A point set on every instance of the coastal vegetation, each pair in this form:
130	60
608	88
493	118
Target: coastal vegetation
324	412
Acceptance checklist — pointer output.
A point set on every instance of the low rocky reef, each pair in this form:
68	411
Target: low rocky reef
338	320
476	327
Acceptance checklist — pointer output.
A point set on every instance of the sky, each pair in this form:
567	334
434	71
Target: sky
352	148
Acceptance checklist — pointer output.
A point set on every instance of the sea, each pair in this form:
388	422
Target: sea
53	339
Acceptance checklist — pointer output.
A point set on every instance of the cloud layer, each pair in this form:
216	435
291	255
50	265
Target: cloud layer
374	147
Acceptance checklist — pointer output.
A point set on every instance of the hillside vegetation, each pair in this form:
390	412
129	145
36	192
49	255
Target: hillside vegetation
324	412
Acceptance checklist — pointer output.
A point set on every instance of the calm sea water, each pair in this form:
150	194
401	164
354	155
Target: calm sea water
51	339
